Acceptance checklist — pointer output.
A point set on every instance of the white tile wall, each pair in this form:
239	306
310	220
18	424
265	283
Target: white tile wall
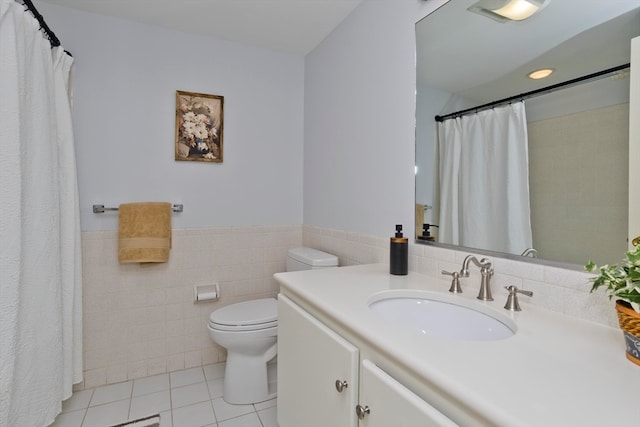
141	321
586	170
557	289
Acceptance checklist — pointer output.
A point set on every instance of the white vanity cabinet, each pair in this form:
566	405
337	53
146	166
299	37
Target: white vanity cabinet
392	404
323	383
328	332
311	358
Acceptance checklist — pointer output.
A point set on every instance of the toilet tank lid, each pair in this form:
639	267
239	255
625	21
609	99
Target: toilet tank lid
313	257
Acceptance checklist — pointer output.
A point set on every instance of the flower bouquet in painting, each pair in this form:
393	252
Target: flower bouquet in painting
199	120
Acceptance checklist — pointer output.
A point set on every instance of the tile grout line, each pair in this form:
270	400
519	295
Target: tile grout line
170	399
213	409
130	400
86	410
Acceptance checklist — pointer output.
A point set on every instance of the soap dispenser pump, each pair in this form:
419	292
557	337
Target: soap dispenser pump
426	233
399	253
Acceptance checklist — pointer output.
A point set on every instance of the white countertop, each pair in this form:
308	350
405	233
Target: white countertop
556	371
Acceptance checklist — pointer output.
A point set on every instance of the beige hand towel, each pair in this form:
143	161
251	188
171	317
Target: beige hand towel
144	232
419	218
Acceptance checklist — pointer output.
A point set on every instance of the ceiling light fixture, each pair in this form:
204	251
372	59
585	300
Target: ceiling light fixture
508	10
540	74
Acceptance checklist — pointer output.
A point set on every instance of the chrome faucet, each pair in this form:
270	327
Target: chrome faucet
512	299
455	282
486	271
530	252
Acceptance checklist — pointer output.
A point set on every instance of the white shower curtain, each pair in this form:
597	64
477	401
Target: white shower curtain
484	178
40	248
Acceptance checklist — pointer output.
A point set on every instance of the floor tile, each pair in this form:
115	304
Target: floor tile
166	419
107	414
212	372
225	411
266	404
78	400
111	393
269	417
215	387
187	395
200	414
150	404
150	385
248	420
186	377
70	419
188	398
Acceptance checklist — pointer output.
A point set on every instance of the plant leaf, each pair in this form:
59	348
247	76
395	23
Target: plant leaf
629	296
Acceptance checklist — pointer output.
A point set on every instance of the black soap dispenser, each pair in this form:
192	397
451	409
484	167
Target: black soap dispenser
399	253
426	234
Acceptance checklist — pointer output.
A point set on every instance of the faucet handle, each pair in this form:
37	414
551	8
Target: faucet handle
455	282
512	299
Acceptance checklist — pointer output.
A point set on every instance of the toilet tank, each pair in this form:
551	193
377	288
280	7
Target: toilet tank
308	259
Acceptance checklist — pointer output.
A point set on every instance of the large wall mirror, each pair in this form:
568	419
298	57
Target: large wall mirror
576	136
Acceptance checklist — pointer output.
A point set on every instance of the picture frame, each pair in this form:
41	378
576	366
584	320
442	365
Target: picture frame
199	127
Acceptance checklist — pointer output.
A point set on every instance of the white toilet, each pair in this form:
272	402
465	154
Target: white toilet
248	330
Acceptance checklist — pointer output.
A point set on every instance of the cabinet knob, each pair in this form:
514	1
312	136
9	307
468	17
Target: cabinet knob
341	385
362	411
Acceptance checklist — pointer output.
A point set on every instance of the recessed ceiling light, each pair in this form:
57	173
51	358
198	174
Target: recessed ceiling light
508	10
540	74
517	10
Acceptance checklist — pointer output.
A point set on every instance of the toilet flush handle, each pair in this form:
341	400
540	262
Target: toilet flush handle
341	385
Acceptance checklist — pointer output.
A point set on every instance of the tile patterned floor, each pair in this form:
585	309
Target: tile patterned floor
187	398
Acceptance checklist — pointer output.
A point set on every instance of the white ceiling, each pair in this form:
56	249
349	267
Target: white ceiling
293	26
477	58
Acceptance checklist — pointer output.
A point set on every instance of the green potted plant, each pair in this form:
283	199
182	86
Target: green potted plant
622	282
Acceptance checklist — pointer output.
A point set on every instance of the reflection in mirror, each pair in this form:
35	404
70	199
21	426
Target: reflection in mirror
575	144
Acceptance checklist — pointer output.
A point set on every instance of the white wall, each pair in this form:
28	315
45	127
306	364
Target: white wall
359	120
126	76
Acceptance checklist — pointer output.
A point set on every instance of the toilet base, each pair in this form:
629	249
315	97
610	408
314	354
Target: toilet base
246	380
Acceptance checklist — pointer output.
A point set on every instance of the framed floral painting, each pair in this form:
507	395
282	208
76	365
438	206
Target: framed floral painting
199	120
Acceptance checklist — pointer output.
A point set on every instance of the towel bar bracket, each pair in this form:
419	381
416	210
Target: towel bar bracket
102	209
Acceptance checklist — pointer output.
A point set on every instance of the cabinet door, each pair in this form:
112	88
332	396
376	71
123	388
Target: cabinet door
311	358
391	404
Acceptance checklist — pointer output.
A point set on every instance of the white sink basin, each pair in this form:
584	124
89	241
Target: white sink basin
442	315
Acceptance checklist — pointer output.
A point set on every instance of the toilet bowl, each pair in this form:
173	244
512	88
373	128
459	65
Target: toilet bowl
249	329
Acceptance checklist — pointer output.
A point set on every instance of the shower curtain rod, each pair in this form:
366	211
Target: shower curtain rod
43	25
530	94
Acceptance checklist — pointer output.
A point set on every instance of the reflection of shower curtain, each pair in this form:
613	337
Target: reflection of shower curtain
40	265
484	178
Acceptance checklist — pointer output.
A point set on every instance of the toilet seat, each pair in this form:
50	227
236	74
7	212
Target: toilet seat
246	316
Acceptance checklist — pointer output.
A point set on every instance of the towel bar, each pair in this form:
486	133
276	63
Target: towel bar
102	209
